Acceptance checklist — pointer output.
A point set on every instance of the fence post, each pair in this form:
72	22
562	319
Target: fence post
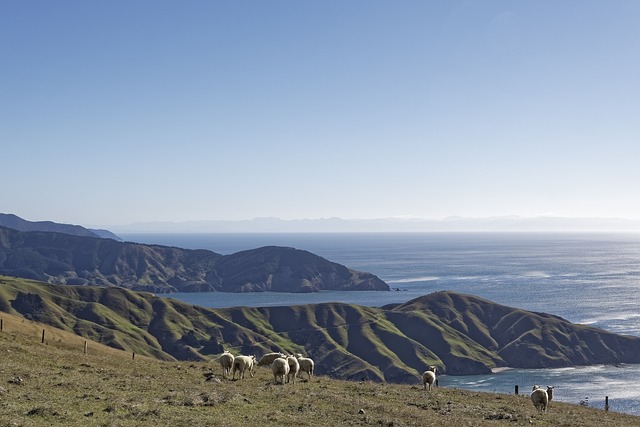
1	325
133	356
606	403
516	389
43	336
85	347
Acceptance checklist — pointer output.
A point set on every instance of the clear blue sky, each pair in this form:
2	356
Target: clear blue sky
113	112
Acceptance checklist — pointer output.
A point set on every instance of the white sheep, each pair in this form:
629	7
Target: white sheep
294	368
306	365
429	378
539	398
280	369
226	361
268	359
243	364
549	394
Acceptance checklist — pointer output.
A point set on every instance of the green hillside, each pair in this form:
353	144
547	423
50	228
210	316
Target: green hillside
461	334
56	383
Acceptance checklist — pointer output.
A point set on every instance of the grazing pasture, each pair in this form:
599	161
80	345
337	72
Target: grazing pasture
57	383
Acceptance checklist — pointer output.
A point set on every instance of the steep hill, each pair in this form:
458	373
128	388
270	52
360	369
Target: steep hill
76	260
461	334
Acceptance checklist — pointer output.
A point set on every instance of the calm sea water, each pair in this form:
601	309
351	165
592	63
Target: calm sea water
585	278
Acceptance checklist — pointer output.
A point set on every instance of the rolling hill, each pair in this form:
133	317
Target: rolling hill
56	383
461	334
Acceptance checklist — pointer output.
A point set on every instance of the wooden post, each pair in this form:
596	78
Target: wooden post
133	356
606	403
516	389
436	382
85	347
43	336
1	325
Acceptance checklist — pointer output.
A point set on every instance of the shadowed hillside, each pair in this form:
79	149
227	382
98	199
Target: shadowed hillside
461	334
19	224
67	259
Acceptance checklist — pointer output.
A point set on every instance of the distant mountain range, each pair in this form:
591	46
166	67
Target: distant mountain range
460	334
338	225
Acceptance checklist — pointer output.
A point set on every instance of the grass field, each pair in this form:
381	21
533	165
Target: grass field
56	383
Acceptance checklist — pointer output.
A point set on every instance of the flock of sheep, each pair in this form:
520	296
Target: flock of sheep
286	368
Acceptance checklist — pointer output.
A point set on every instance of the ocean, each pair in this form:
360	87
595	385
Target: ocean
585	278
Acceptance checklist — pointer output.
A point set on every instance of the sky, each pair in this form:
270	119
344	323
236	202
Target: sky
131	111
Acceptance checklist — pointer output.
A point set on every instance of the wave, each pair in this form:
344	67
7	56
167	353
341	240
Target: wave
609	317
414	279
536	274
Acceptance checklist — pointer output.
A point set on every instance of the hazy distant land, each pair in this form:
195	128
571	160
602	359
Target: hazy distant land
338	225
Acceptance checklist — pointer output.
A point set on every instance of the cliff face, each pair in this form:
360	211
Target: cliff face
78	260
460	334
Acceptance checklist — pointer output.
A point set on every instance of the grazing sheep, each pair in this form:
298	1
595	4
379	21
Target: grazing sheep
280	369
549	394
268	359
243	364
306	365
429	378
294	368
226	361
539	398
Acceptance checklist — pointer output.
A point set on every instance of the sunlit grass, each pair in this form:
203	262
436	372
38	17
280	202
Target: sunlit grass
56	383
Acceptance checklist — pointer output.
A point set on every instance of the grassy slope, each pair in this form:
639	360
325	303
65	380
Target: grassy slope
62	386
458	333
351	339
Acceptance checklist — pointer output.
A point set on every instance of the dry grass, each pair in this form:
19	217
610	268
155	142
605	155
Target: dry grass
56	384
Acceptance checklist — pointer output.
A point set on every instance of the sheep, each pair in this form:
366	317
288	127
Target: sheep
243	364
294	368
306	365
429	378
280	369
539	398
226	361
549	394
268	358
